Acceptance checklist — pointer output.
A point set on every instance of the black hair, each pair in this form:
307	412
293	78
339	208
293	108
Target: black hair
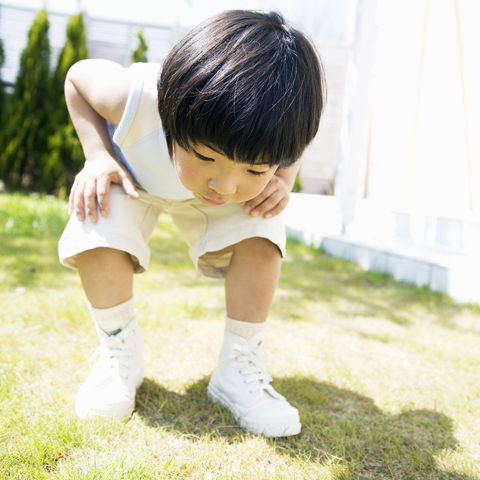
244	84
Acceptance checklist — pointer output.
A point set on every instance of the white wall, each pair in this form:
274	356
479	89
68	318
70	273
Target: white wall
423	143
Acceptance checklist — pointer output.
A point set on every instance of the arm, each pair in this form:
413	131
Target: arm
276	194
95	91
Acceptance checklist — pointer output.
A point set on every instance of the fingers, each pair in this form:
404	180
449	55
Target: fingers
254	206
92	187
76	200
103	194
90	199
129	187
271	201
71	197
279	207
269	207
83	198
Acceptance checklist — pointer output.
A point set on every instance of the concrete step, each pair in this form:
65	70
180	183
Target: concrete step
439	252
444	270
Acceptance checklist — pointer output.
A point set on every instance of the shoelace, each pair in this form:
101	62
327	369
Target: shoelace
254	371
112	350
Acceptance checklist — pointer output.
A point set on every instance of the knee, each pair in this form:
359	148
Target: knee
262	249
102	256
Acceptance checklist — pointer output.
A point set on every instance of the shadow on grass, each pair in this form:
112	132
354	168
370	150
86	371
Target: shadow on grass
338	425
310	276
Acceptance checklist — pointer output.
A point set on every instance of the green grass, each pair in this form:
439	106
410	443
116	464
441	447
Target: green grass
385	375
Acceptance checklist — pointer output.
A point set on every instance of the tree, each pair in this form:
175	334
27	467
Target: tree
64	157
297	186
74	50
25	136
2	89
140	53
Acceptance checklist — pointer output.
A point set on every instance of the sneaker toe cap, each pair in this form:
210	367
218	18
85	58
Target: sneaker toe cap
272	418
281	413
106	404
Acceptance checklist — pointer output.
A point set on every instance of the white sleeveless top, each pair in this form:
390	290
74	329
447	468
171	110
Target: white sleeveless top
140	139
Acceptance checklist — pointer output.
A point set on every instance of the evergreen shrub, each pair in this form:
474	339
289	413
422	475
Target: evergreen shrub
27	126
140	53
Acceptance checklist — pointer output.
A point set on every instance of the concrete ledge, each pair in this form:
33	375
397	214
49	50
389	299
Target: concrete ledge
443	270
439	252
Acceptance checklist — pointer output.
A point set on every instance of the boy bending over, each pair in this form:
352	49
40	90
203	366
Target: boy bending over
212	136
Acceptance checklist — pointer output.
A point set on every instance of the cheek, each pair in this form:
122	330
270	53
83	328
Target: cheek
187	175
255	188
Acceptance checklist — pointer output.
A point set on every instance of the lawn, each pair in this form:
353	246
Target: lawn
385	375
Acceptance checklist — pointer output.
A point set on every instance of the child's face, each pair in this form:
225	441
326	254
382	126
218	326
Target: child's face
215	179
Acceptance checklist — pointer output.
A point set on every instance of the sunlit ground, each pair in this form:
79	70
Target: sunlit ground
385	375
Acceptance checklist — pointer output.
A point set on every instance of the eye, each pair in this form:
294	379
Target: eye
257	174
202	158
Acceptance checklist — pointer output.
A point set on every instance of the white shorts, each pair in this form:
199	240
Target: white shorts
210	232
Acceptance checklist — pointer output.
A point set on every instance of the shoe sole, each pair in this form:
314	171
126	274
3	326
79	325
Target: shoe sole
118	414
271	431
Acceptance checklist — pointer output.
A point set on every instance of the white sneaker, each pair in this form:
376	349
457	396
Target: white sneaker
109	390
241	384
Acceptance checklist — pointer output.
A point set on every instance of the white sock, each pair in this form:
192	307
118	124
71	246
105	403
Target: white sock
244	329
113	319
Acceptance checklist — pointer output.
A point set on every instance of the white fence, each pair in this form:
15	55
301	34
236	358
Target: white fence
109	39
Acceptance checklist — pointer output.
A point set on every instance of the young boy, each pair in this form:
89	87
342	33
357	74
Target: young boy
238	100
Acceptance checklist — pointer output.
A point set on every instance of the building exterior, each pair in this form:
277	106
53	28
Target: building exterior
414	109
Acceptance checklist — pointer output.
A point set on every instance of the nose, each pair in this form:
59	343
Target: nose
223	185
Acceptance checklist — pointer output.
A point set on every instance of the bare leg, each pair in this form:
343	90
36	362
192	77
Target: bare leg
107	276
251	280
240	381
109	391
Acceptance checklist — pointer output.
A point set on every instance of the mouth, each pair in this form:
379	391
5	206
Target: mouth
215	203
